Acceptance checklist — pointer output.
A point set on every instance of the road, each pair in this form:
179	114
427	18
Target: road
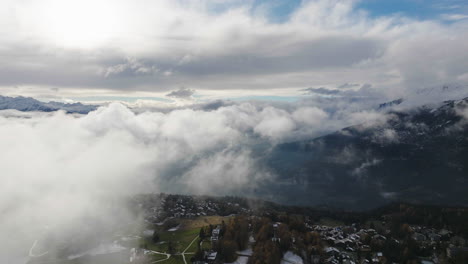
31	254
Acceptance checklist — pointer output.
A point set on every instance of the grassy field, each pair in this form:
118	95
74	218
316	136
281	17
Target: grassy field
155	257
180	240
188	230
174	260
193	248
206	245
202	221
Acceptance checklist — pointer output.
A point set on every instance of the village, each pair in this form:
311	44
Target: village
180	229
255	234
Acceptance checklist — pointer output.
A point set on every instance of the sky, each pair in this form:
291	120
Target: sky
127	50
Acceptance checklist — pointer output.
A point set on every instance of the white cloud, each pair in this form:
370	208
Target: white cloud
324	43
360	172
182	93
385	136
274	123
368	118
130	68
225	172
454	17
311	116
60	167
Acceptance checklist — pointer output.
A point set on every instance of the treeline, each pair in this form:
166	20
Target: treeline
427	215
454	219
273	239
233	236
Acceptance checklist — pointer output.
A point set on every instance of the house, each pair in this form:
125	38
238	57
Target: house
331	260
365	248
211	256
215	234
418	237
379	237
340	243
350	249
434	237
331	251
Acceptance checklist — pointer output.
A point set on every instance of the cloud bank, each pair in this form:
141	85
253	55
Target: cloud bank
60	168
62	171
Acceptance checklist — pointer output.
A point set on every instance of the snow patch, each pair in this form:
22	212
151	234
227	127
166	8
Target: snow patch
240	260
290	257
245	252
173	229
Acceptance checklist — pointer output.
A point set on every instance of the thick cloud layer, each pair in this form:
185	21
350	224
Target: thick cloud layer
58	168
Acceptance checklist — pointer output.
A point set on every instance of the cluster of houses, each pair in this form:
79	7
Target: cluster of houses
181	206
345	243
430	237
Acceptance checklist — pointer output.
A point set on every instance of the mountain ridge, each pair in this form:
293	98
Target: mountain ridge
28	104
415	156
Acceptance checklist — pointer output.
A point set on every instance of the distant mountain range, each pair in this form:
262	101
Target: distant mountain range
418	155
433	96
28	104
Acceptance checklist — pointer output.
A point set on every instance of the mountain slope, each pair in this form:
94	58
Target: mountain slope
419	156
28	104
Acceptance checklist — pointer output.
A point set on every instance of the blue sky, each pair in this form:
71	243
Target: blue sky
279	10
419	9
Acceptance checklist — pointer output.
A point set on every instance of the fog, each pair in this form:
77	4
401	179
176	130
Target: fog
62	173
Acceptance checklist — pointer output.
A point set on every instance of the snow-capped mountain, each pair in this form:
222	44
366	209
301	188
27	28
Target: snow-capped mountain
433	96
28	104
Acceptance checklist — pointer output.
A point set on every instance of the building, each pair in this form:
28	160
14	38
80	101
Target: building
210	256
215	234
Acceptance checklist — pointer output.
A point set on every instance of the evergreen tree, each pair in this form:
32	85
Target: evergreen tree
202	233
155	238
